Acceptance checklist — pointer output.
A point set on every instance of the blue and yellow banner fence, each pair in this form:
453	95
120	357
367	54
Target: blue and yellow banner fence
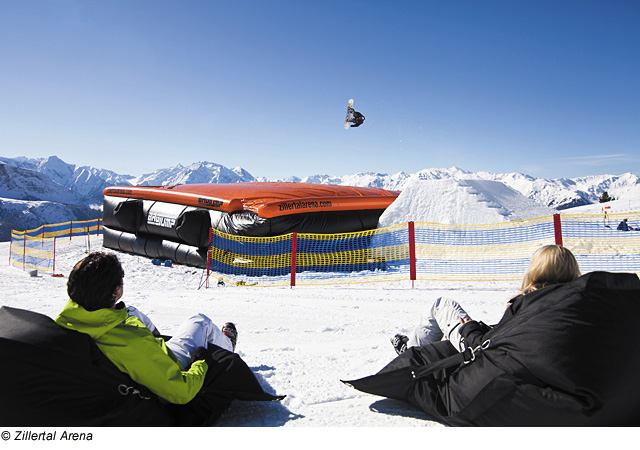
424	251
410	251
36	249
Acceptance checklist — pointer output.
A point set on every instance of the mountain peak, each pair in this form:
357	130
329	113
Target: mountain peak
558	193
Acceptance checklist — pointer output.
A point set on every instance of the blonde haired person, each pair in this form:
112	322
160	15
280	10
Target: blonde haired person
550	264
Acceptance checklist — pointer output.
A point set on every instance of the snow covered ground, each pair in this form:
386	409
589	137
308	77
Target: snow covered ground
461	202
299	341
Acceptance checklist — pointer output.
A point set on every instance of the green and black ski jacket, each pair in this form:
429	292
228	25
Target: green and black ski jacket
129	344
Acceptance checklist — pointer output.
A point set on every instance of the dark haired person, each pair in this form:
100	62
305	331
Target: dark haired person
174	370
624	226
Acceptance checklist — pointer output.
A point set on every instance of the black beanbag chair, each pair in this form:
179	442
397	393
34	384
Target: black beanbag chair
566	355
52	376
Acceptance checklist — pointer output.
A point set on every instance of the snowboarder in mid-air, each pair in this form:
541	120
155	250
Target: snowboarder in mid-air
354	118
357	119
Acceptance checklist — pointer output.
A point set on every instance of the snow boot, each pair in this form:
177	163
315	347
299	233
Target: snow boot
399	342
229	330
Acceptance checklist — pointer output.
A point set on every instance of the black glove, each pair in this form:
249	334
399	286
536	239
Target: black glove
202	354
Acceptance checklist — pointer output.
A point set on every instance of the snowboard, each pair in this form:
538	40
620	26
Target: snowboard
349	107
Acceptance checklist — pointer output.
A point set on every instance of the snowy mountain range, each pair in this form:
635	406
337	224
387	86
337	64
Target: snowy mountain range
37	191
84	180
559	194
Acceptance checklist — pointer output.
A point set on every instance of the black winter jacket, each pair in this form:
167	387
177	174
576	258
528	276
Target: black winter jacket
473	332
563	355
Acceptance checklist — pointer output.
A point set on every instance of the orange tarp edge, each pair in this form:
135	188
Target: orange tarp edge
266	199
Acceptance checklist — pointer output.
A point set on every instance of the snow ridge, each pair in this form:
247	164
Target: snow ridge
200	172
463	202
85	180
29	199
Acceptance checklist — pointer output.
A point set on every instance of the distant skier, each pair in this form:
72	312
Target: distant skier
624	226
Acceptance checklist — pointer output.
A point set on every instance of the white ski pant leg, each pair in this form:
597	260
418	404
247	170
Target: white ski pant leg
426	333
196	331
442	323
142	316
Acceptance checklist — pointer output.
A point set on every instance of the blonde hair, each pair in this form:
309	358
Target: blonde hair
550	264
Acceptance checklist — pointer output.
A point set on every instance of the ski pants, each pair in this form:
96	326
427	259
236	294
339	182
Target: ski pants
197	331
441	323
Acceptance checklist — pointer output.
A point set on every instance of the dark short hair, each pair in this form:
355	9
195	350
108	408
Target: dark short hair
94	279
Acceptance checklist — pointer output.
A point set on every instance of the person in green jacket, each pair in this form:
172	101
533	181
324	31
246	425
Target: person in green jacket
174	369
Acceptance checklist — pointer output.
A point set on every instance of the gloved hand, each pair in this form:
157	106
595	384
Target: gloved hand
202	353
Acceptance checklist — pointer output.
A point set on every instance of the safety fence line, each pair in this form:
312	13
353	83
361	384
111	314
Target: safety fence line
410	251
36	249
422	251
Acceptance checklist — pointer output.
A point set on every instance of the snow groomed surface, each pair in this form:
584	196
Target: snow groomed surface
173	222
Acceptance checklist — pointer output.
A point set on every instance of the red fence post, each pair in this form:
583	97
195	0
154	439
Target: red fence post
557	227
294	249
208	260
412	253
54	255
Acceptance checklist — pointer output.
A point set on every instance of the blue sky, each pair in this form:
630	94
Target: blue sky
547	88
